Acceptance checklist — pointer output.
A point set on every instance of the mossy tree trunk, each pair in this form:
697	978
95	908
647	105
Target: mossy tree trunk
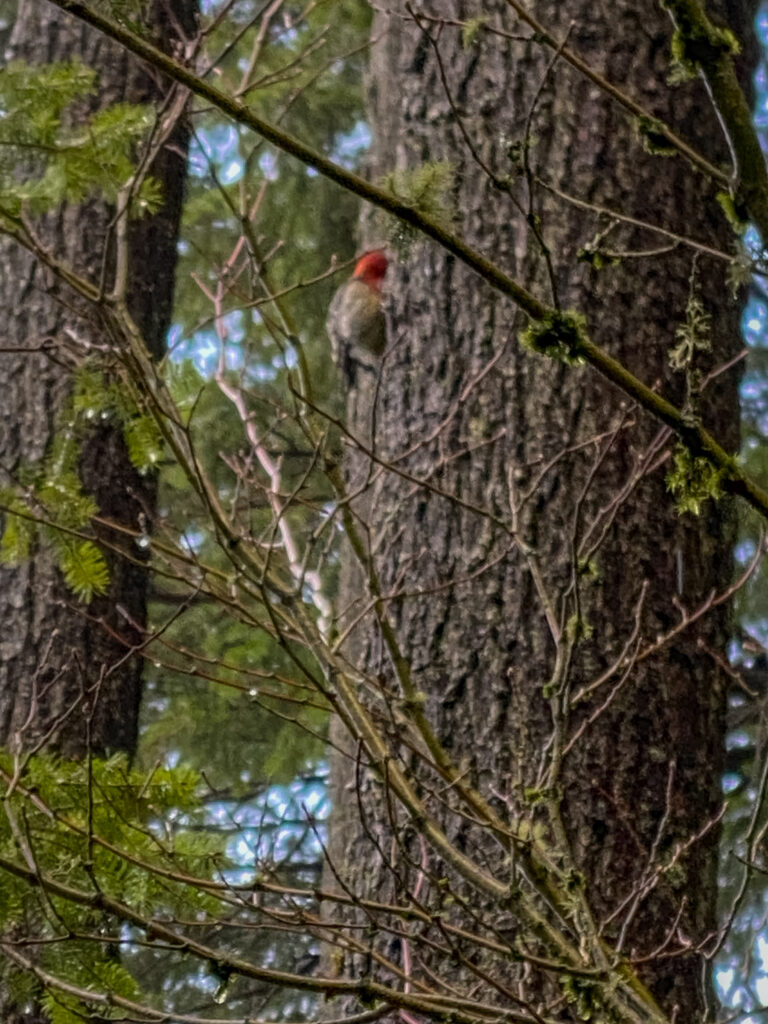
554	458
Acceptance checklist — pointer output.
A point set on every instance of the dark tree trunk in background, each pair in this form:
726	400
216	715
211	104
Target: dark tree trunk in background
61	660
481	648
67	675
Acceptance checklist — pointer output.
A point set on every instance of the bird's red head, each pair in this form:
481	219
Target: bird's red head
371	268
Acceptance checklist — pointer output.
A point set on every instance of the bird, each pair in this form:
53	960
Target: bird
356	323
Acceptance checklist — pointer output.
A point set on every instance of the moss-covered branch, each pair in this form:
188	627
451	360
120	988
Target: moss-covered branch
699	44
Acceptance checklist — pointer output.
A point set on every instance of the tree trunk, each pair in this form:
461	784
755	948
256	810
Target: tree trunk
639	787
63	663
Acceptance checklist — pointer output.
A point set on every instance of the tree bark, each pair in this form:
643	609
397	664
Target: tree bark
68	678
640	787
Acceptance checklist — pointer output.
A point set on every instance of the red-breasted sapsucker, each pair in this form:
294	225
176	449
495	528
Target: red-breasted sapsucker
356	324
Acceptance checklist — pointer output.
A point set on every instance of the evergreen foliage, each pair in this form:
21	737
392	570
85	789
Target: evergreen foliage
50	155
106	830
50	504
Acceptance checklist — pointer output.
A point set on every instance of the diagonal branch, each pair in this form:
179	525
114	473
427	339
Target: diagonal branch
700	442
712	49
